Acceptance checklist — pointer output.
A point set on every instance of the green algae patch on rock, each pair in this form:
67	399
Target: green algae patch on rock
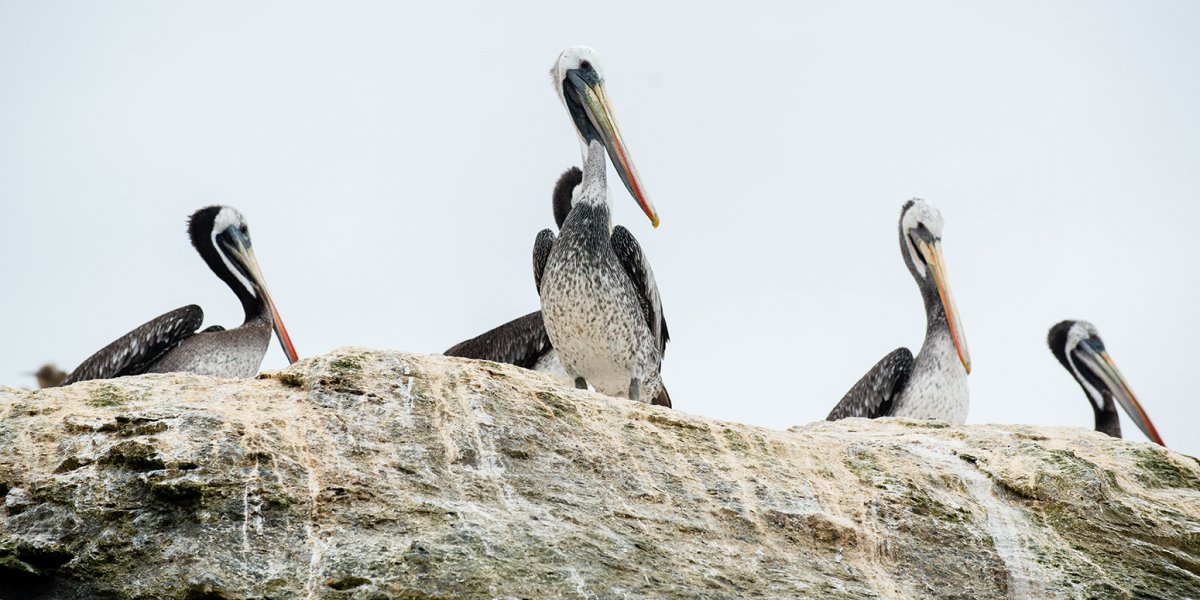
1157	468
108	395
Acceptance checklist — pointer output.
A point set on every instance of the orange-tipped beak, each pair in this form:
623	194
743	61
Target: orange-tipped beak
937	265
260	284
1101	364
285	340
600	113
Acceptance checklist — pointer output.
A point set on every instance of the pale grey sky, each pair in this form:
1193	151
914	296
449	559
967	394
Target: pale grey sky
395	162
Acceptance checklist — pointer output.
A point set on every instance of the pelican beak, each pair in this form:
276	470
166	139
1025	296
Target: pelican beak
584	93
1097	360
245	257
931	250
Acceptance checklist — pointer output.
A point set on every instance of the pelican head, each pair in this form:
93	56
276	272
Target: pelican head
921	244
579	82
1077	345
222	238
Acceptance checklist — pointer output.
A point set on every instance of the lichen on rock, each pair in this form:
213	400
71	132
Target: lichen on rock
364	474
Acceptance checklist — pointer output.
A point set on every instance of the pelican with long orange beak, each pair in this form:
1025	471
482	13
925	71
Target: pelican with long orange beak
934	385
170	342
600	303
1077	345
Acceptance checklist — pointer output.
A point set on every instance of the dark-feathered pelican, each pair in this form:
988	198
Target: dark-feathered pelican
934	386
171	343
600	303
1077	345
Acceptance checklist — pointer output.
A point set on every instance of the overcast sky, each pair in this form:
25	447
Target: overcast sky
395	162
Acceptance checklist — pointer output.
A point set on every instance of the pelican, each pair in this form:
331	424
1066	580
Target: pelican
1077	345
171	343
934	386
600	303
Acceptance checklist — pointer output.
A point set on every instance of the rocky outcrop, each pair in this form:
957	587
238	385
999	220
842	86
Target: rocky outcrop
366	474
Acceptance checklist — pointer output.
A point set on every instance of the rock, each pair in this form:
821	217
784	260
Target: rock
365	474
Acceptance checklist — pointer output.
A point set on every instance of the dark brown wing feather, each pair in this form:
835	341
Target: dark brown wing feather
663	398
629	253
542	245
135	352
874	394
518	342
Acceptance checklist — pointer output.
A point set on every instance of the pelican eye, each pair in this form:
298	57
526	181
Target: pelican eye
585	65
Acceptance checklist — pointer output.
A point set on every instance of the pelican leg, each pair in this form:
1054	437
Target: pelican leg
581	383
633	389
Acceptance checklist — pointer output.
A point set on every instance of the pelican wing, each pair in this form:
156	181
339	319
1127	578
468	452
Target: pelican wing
663	398
875	393
135	352
629	253
541	253
518	342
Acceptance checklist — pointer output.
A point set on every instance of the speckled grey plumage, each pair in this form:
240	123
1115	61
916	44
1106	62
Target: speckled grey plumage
590	306
234	353
937	388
